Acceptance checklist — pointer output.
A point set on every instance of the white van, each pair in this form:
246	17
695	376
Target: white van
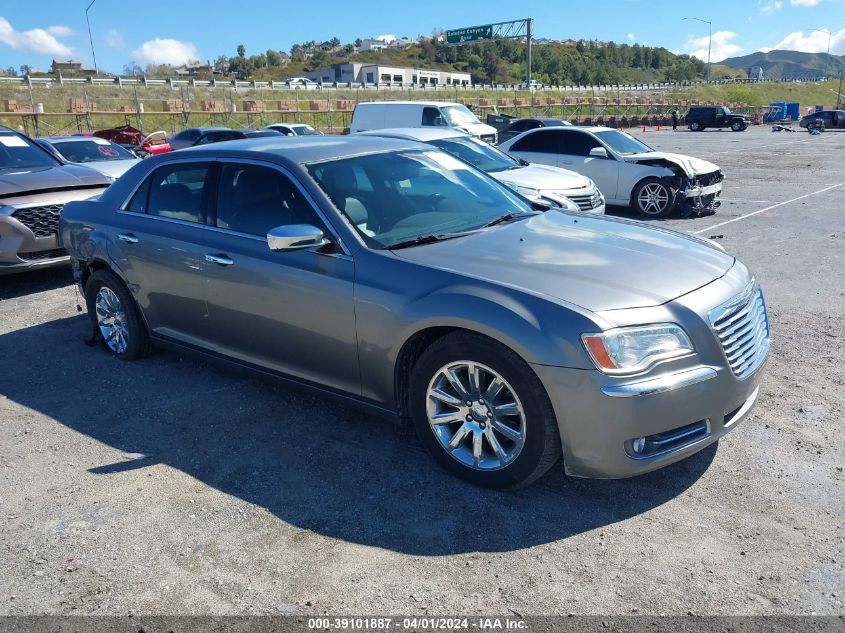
379	115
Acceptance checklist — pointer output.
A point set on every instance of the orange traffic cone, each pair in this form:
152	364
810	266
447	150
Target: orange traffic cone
644	129
658	127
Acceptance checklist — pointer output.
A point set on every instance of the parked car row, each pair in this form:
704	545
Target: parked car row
626	171
477	292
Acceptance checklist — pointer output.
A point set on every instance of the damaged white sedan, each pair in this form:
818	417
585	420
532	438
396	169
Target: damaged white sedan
627	171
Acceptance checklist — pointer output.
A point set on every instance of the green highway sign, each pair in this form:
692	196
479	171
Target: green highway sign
470	34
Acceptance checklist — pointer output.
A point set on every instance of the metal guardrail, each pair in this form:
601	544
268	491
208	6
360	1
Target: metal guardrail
282	85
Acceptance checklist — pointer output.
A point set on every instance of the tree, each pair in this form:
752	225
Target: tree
241	51
335	42
11	72
132	69
25	70
273	58
358	42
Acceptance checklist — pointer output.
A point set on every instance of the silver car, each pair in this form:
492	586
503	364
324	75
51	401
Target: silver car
34	186
392	275
559	187
106	157
627	171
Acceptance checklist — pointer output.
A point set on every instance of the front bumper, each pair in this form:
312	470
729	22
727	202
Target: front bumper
599	418
22	250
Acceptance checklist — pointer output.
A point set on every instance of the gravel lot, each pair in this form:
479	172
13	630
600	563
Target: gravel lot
169	486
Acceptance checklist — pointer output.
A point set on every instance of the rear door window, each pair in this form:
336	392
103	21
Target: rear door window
544	140
178	192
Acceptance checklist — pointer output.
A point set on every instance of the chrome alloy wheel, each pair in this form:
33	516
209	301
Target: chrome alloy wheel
653	198
475	415
111	319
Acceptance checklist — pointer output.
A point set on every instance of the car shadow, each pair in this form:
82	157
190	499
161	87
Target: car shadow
313	463
27	283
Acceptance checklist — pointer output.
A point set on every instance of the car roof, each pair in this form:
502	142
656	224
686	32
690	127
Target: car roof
305	149
422	134
421	103
586	128
72	137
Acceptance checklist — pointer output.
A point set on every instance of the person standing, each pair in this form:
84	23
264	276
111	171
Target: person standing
675	119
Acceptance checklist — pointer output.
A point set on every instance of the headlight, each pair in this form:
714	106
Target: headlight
528	192
628	350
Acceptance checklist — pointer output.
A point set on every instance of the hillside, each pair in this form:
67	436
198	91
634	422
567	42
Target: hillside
496	61
780	64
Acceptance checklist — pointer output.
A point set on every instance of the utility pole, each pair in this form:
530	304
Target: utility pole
91	39
828	37
528	37
709	41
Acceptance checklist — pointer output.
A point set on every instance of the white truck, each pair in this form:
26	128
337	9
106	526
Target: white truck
380	115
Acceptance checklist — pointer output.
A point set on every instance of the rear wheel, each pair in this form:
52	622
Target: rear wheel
695	126
482	412
115	316
653	198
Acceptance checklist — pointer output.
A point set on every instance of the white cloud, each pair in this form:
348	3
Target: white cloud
803	3
631	37
38	41
721	48
165	51
114	39
767	7
813	42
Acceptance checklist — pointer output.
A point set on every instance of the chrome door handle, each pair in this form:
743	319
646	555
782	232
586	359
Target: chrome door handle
566	162
128	238
222	260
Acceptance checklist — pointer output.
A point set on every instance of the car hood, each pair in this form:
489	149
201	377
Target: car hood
16	182
113	168
597	263
691	165
543	177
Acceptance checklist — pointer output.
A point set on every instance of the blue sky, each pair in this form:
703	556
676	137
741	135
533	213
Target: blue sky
162	31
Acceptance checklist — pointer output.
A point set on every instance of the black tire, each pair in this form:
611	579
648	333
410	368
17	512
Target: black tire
695	126
737	126
542	446
137	339
651	212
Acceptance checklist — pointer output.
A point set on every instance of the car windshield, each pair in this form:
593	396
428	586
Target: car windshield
459	115
396	197
623	143
17	152
305	130
477	153
91	151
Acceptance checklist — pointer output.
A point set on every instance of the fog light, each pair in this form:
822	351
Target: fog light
638	445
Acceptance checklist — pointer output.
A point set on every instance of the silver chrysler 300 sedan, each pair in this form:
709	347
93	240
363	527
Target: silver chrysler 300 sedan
390	273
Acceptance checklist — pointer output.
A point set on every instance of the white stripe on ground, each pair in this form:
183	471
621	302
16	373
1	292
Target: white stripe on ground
774	206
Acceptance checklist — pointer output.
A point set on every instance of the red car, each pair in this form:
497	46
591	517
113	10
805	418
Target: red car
135	141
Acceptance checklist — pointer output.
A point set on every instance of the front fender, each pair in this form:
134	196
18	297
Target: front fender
388	315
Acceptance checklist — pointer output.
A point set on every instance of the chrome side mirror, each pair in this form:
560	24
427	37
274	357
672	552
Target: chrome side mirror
598	152
293	237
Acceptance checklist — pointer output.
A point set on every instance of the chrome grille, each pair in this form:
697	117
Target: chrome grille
742	326
43	221
585	202
53	253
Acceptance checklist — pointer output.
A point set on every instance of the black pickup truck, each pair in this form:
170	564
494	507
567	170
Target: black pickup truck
700	118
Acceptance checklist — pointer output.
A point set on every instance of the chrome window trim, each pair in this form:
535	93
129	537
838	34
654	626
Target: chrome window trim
346	254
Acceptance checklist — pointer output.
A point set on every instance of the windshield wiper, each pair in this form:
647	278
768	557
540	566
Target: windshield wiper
426	239
506	218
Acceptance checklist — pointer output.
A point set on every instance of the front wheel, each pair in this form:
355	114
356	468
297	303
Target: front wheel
737	126
482	412
653	198
115	316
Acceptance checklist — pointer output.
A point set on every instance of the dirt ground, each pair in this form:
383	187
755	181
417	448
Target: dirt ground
168	486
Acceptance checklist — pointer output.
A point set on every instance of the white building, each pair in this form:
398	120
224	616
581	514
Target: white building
358	73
